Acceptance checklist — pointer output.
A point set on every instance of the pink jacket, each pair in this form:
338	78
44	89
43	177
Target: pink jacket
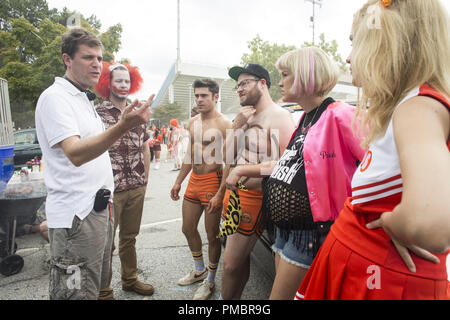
330	153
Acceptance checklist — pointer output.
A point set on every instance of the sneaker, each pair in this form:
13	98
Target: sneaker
193	277
205	290
157	165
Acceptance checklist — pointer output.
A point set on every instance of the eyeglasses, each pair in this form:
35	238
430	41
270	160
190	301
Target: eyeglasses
244	83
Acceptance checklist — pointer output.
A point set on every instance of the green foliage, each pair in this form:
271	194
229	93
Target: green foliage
34	11
48	65
169	111
49	31
30	50
94	22
8	45
111	40
20	80
30	42
21	85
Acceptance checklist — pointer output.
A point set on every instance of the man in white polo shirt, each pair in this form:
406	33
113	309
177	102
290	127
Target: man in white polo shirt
77	168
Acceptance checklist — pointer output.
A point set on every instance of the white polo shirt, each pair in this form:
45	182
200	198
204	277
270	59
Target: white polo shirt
64	111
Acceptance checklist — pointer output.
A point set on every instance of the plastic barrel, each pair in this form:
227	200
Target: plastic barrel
6	165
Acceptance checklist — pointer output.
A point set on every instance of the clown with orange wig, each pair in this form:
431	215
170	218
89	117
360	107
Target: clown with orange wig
104	86
130	159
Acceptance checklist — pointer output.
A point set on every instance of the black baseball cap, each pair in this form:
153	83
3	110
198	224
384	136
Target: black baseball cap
251	68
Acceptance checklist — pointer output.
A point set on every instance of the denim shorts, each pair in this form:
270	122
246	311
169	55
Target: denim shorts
298	255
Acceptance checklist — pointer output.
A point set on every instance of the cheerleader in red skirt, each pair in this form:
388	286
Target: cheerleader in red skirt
392	238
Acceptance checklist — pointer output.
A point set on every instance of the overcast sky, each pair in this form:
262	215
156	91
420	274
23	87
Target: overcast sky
214	32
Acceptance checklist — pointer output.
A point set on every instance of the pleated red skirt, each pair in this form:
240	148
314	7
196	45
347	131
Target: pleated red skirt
339	273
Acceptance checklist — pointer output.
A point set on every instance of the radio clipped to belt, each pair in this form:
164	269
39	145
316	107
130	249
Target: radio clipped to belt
101	200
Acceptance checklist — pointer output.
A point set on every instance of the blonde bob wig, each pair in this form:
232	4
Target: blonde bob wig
397	49
315	74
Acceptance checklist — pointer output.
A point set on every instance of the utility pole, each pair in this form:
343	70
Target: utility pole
313	18
178	32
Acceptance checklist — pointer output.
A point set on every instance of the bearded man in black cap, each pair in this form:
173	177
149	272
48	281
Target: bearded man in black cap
262	130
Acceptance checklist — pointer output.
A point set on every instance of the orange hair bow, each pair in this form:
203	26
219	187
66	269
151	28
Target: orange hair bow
386	3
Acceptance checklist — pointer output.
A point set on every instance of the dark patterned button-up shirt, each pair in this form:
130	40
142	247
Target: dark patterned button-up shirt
127	153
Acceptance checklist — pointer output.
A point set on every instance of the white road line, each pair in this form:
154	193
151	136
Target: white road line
150	225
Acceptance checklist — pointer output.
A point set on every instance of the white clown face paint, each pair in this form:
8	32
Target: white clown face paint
120	83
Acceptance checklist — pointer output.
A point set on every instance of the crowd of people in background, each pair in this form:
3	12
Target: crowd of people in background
175	139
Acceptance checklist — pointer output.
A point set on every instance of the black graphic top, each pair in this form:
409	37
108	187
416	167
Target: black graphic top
289	170
286	192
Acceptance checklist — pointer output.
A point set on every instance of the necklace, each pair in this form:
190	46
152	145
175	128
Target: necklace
306	128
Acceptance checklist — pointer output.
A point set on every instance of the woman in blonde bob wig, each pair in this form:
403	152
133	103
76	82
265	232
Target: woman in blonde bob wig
314	73
308	186
392	238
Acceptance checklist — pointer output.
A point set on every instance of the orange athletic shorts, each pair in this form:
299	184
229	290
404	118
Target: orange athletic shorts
251	219
202	187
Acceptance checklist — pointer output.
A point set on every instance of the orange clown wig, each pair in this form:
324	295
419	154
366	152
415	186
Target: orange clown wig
103	86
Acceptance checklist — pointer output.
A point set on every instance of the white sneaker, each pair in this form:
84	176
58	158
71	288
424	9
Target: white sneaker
205	290
157	165
192	277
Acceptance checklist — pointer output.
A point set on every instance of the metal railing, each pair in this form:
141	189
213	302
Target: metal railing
6	125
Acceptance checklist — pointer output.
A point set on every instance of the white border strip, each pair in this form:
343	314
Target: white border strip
377	188
378	196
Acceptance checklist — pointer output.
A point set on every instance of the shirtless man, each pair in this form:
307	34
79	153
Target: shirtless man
204	191
263	129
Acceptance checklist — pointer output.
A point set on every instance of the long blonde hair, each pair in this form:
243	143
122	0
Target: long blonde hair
397	49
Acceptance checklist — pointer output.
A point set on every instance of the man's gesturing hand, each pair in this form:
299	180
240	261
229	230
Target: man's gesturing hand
137	113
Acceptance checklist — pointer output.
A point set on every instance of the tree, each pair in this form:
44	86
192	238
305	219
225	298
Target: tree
94	22
27	35
49	63
49	31
20	81
33	11
30	50
31	60
111	40
8	48
21	91
170	111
